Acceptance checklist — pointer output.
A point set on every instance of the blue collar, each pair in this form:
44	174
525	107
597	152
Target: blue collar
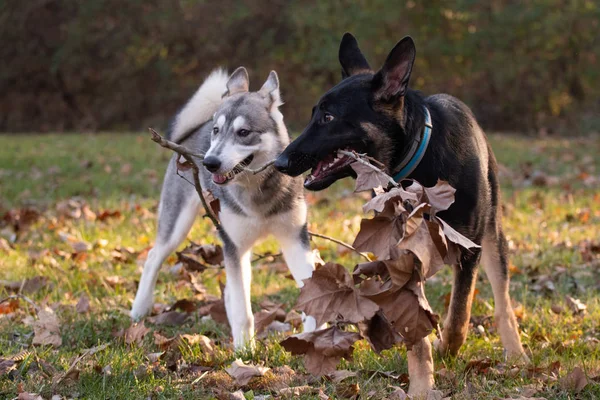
417	151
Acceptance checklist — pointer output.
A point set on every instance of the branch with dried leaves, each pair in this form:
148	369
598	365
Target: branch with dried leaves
346	245
189	156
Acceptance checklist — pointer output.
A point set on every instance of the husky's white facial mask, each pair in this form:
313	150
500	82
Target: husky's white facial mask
248	128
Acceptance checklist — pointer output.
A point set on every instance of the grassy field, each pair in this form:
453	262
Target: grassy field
552	219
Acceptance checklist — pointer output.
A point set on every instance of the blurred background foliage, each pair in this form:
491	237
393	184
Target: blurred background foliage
525	66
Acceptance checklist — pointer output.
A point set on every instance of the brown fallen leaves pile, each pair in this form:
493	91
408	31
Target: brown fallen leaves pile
383	299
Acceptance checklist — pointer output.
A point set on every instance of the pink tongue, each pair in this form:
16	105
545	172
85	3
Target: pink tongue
219	178
318	168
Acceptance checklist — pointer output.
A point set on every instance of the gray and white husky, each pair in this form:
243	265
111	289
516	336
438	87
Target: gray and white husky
235	129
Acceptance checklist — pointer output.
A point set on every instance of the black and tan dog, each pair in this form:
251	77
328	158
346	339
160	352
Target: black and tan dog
424	138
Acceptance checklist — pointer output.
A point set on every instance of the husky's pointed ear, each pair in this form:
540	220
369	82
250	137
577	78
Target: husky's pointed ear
391	82
270	89
351	58
238	82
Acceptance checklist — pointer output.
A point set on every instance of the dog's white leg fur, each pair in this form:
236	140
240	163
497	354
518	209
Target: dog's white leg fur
295	245
299	259
420	369
237	298
144	298
503	311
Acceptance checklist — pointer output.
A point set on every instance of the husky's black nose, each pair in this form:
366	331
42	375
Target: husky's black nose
212	163
282	163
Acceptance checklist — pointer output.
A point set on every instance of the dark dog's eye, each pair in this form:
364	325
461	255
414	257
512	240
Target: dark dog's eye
327	118
243	132
216	130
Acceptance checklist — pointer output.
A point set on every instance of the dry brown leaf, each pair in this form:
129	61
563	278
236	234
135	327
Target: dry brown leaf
575	381
27	286
205	343
169	318
368	178
135	333
9	307
405	308
243	373
47	328
379	235
213	202
440	196
29	396
424	248
379	333
83	304
184	305
7	365
264	317
456	237
575	305
296	391
339	375
348	391
392	202
322	349
237	395
330	292
370	269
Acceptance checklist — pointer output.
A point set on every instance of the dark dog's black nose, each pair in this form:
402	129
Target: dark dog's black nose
212	163
282	163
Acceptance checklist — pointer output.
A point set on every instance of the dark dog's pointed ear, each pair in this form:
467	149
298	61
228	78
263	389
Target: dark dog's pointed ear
391	81
238	82
351	58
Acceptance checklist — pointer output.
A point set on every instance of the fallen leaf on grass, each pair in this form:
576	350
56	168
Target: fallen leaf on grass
83	304
29	396
243	373
296	391
27	286
7	365
106	214
169	318
237	395
348	391
9	306
205	343
339	375
575	305
194	256
575	381
330	292
184	305
135	333
47	329
322	349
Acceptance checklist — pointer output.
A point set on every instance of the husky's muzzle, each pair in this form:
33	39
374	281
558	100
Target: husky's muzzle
213	164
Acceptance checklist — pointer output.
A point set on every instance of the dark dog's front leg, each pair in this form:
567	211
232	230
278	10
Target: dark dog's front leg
456	325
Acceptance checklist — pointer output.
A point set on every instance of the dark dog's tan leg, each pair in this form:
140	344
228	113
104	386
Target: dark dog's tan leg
456	324
495	263
420	369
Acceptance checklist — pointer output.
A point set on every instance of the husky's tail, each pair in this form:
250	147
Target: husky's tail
200	108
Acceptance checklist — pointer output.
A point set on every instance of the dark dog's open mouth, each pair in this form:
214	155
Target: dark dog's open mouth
331	168
221	179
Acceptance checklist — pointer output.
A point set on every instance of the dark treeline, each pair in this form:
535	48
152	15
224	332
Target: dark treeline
127	64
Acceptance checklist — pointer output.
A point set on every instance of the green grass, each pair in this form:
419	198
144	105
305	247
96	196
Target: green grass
547	228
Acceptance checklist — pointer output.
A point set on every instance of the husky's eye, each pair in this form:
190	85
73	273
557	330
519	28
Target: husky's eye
216	130
327	118
243	132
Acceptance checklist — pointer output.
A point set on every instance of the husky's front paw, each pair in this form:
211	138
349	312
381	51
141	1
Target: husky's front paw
141	307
